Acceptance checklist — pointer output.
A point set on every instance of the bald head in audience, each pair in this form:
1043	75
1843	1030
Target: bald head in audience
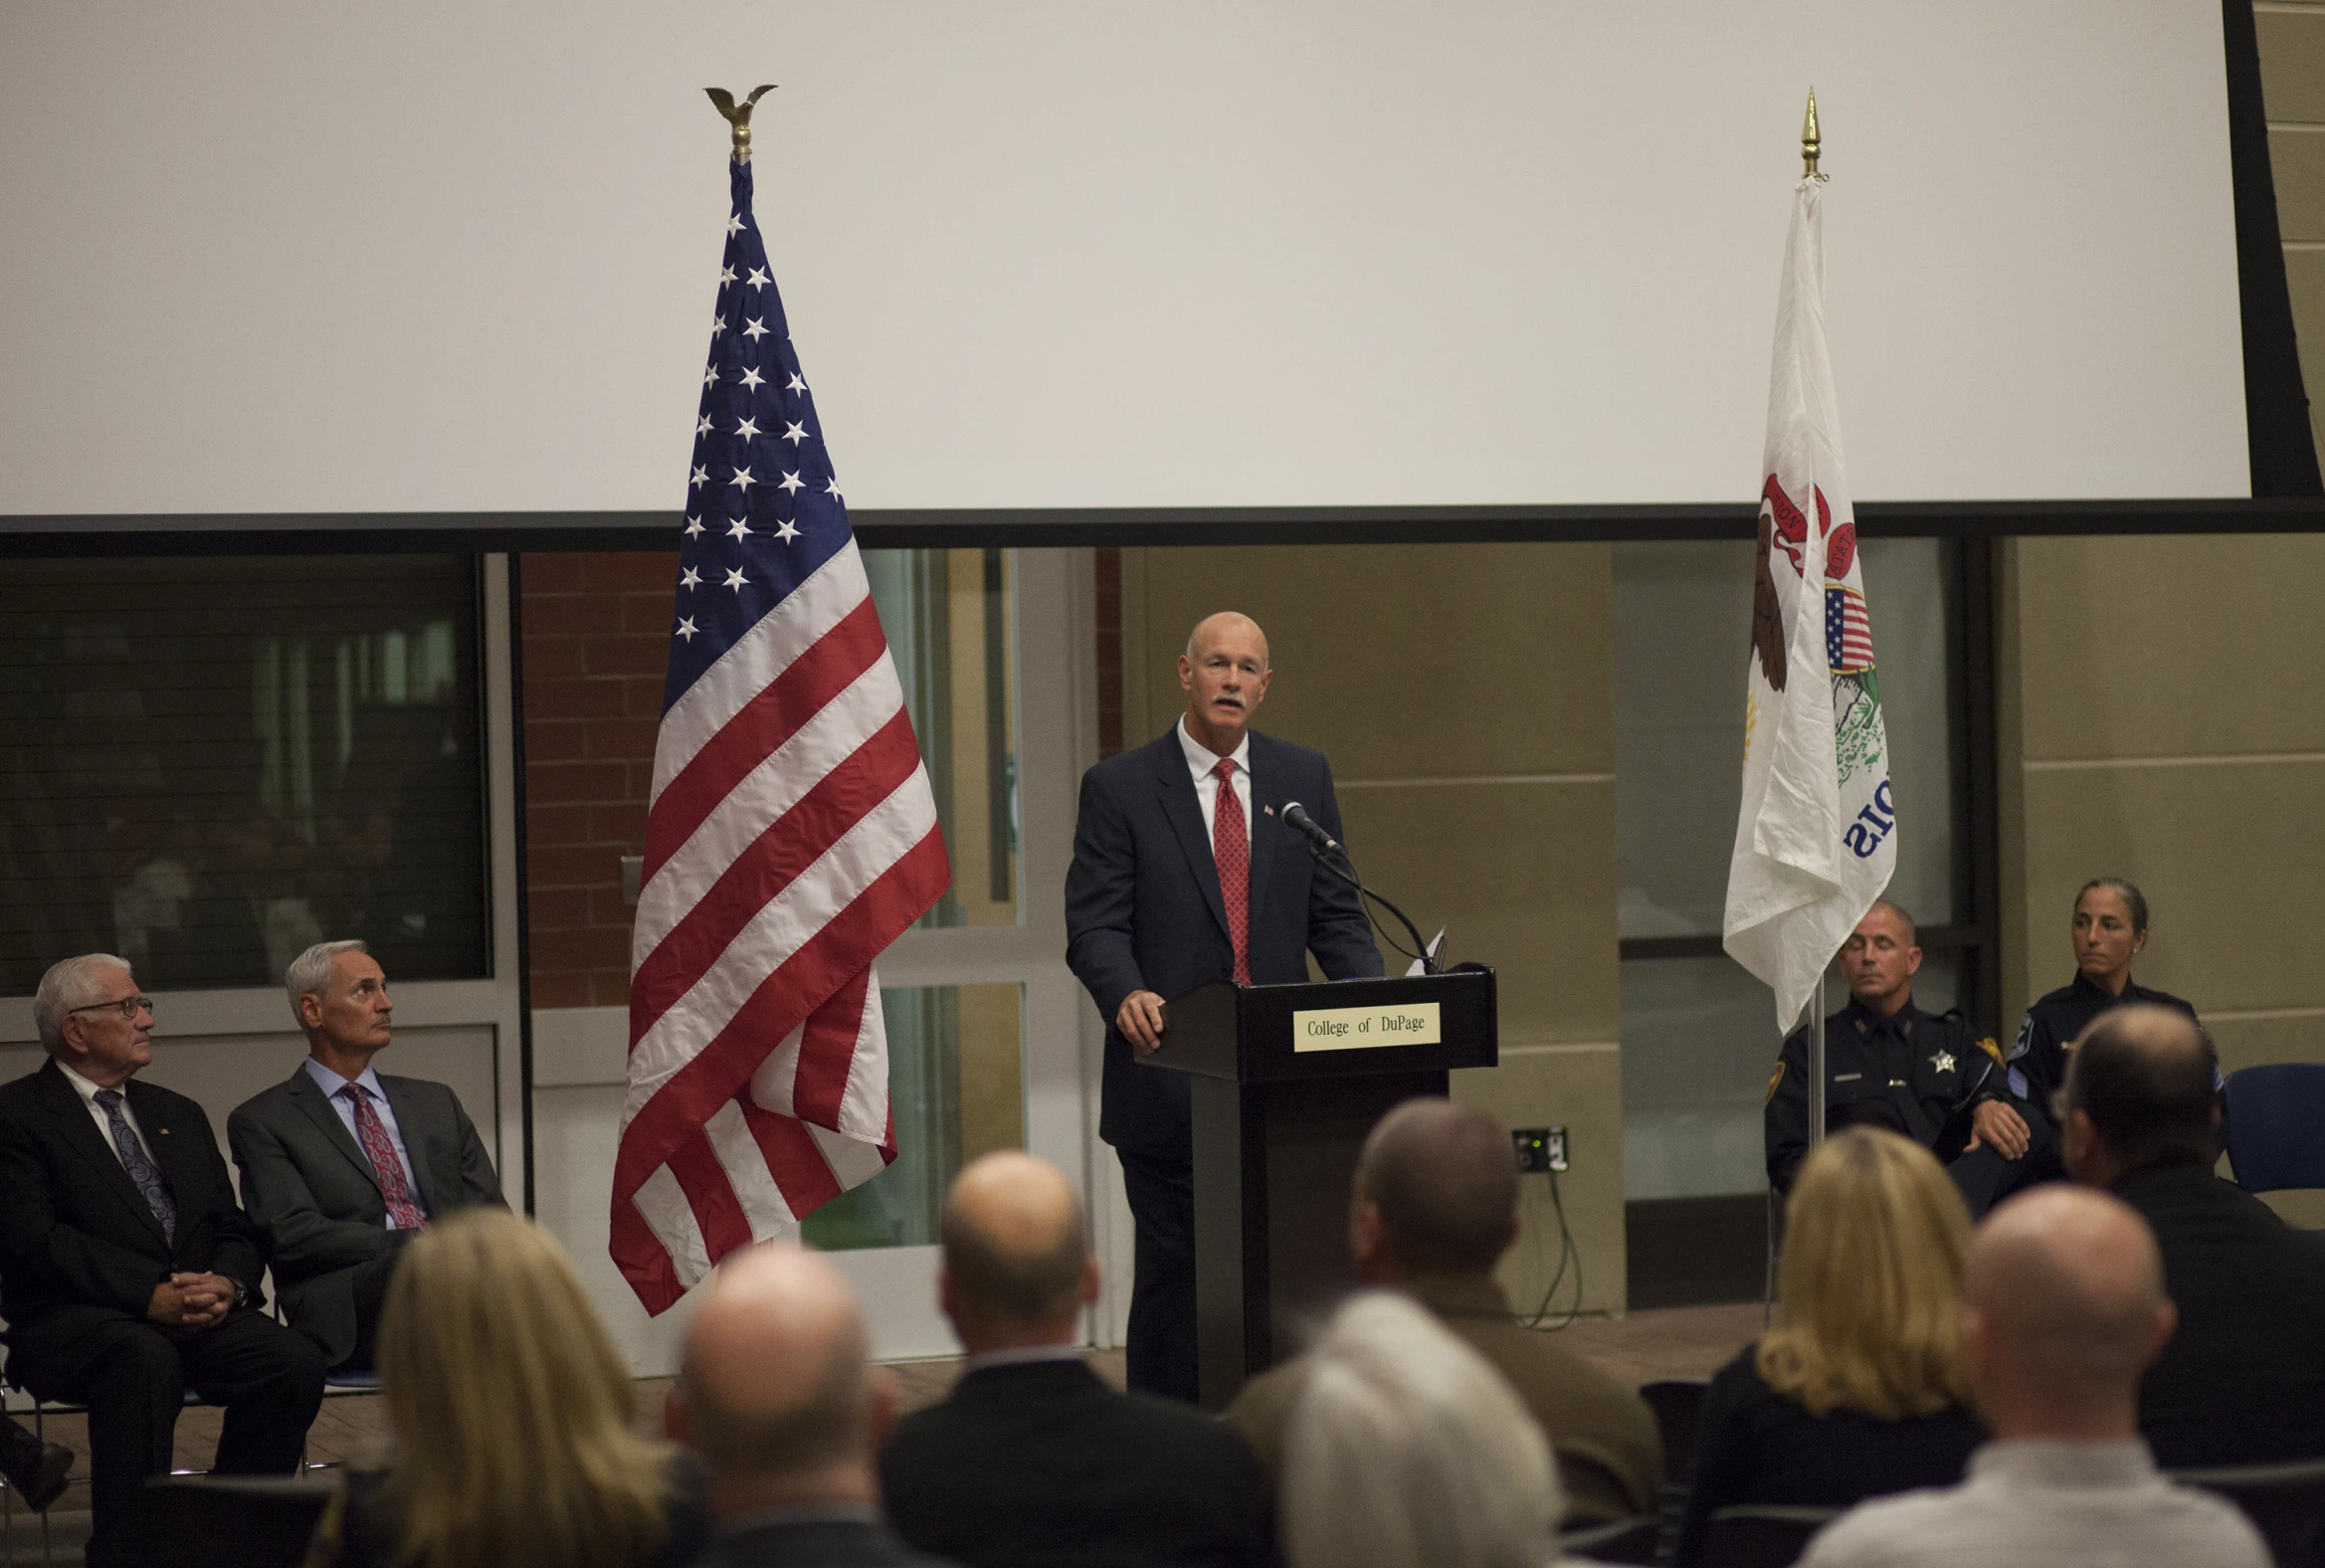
1016	1270
1435	1193
2066	1308
2139	1094
776	1391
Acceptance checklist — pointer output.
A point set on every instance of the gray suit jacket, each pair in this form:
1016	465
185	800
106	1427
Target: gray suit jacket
308	1187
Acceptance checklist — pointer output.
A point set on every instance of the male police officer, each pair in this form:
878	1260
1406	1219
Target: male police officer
1887	1063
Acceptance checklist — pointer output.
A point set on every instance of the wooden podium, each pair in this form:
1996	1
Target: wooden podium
1286	1081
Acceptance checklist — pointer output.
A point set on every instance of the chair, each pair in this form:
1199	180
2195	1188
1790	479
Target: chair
2274	1113
269	1520
1623	1541
2285	1502
1679	1407
1763	1537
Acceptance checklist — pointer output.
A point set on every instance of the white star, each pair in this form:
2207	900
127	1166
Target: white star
692	579
752	380
738	530
757	280
790	484
785	531
717	325
747	429
702	476
693	527
833	489
756	330
710	376
1943	1061
725	276
795	384
687	628
794	433
702	426
734	580
734	223
743	479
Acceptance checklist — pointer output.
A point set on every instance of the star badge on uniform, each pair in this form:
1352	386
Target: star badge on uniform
1943	1061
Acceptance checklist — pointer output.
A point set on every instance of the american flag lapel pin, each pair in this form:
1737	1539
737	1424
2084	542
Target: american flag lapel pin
1270	810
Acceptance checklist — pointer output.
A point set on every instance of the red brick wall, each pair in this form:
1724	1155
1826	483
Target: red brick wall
596	646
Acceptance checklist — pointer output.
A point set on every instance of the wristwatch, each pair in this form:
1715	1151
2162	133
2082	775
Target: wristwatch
242	1292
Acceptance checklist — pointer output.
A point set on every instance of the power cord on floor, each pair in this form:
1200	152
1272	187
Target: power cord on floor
1568	1252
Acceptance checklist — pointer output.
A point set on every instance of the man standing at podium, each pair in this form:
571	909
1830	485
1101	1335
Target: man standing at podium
1185	872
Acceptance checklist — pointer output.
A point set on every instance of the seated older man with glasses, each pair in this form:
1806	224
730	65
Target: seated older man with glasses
128	1273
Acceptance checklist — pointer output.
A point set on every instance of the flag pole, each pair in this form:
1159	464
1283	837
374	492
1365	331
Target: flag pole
738	116
1811	145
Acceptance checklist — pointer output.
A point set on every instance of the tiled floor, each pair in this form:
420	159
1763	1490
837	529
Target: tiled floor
1679	1342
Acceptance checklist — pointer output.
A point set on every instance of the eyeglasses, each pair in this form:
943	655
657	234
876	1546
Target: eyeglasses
127	1007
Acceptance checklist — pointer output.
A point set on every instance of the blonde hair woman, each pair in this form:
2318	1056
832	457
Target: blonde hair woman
1861	1390
508	1419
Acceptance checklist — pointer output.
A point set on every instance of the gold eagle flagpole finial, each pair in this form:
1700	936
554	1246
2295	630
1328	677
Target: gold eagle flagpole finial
1810	144
739	117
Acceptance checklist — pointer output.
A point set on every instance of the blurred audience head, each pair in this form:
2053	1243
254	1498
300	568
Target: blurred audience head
2066	1308
776	1391
1874	1245
1406	1450
509	1411
1016	1271
2138	1094
1435	1193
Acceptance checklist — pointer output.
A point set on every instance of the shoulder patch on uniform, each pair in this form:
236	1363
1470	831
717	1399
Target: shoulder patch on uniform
1775	1079
1990	1048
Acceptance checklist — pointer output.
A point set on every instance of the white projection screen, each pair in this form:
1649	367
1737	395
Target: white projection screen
437	255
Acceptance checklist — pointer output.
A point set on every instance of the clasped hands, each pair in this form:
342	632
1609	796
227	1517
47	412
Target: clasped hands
191	1300
2001	1127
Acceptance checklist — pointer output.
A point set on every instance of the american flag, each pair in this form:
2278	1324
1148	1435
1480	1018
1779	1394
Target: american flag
792	833
1848	631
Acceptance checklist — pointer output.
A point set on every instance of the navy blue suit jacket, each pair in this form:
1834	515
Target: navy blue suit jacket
1143	910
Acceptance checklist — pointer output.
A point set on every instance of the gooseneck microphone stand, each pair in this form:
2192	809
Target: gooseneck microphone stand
1330	855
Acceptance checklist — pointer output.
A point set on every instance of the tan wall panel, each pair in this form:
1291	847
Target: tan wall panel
1581	1090
2166	647
2226	855
1406	661
2297	158
1522	877
2293	64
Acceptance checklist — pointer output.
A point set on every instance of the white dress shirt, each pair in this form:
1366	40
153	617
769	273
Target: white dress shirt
1201	759
331	1083
104	1126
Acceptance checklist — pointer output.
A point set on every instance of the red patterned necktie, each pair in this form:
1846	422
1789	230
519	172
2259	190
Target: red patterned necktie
371	1132
1231	847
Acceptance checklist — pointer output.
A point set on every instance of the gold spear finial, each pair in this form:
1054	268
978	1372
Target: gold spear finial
1809	145
739	117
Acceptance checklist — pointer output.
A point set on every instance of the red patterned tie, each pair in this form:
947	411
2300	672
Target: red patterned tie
371	1132
1231	847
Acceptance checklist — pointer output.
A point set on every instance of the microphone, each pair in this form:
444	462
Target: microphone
1297	815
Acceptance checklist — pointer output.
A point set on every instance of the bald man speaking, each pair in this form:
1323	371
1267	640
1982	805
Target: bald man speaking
1184	872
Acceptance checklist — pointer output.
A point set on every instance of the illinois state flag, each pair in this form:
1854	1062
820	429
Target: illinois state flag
789	836
1816	840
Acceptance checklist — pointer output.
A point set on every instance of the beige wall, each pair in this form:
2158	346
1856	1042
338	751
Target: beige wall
2292	89
1463	695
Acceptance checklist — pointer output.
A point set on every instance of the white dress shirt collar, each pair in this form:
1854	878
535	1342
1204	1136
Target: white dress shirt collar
1202	760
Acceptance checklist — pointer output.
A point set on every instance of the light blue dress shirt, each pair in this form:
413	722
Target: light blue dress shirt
331	1083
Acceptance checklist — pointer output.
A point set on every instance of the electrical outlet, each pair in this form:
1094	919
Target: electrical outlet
1539	1148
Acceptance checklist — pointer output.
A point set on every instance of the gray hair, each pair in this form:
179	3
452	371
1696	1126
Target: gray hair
1407	1449
70	985
309	973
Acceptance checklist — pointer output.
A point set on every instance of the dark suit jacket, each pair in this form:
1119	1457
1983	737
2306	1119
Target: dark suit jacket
315	1198
823	1543
79	1243
1042	1463
2241	1381
1143	910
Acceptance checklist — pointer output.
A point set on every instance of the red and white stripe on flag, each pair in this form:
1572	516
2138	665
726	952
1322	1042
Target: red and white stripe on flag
791	837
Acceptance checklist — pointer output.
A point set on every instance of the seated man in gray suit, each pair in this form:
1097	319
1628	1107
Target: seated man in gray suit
340	1165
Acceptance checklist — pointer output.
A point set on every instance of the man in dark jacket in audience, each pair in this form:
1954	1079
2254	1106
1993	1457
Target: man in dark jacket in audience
2242	1381
1436	1195
1034	1457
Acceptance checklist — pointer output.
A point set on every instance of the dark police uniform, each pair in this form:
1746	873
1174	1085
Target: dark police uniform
1910	1073
2037	1060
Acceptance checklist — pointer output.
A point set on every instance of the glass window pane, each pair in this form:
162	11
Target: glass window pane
956	1090
210	764
1683	622
951	623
